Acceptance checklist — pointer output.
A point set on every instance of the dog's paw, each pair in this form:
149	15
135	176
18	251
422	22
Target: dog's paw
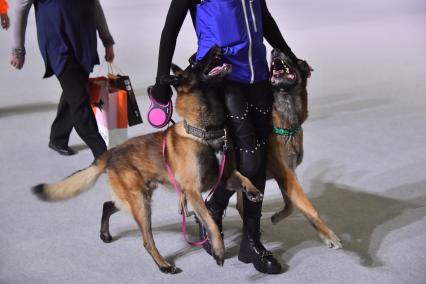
331	241
106	237
219	259
170	269
254	196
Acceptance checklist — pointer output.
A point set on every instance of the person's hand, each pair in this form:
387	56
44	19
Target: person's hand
17	61
161	93
5	22
109	53
305	68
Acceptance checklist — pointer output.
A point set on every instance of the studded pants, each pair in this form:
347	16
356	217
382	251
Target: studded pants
249	121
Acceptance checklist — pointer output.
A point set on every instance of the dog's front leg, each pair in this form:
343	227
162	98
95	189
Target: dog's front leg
218	249
238	182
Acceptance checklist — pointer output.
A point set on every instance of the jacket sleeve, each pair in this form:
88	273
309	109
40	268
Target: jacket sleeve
3	7
175	17
272	33
102	26
19	26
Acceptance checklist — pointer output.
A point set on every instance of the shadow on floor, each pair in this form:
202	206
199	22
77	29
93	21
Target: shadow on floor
361	219
27	108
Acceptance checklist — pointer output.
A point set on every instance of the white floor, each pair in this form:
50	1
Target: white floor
364	165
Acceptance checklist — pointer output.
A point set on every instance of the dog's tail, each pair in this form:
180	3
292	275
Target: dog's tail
73	185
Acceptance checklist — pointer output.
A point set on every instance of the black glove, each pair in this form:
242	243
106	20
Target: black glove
161	93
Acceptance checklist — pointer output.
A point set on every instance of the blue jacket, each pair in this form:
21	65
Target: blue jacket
66	28
236	26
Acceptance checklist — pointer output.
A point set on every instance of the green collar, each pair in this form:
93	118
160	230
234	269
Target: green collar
286	131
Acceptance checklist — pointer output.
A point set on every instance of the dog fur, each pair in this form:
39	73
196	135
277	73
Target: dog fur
135	167
290	110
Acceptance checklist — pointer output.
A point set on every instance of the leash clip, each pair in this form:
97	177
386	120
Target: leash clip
225	141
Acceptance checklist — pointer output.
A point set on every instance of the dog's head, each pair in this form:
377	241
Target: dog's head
207	72
289	88
197	94
285	73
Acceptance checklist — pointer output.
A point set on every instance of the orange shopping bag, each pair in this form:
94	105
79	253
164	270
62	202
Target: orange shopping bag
110	108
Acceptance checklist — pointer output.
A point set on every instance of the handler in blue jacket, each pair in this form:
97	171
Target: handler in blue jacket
67	39
238	27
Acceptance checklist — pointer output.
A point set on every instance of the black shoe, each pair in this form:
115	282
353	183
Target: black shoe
252	250
216	213
65	151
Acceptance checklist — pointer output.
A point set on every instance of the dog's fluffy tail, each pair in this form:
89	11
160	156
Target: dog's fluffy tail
73	185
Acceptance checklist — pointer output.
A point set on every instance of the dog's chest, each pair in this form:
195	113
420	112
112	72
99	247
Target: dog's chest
209	163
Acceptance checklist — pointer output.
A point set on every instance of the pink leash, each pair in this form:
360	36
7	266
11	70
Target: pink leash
179	192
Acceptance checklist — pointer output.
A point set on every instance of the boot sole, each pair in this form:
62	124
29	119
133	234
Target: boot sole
247	259
244	258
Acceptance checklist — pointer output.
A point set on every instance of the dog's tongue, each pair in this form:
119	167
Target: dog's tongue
290	76
279	72
216	70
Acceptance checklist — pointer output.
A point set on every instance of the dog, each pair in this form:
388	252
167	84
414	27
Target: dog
285	145
189	147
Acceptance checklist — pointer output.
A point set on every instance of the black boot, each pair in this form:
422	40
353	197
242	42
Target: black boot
252	250
216	212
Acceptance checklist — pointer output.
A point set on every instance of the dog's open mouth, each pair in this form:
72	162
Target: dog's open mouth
280	70
217	69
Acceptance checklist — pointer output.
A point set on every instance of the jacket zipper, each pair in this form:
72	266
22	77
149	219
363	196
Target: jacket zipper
250	55
253	16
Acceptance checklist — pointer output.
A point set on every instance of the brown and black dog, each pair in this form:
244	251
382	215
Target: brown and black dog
285	146
137	166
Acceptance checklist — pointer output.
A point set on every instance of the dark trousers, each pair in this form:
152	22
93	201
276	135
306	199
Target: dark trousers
249	121
74	111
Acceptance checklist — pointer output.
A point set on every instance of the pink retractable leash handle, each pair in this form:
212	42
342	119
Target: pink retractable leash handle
159	115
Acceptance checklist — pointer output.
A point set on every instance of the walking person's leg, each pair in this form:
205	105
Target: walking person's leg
248	118
237	111
75	95
61	129
252	250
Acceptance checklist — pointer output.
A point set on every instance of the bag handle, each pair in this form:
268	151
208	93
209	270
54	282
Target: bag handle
112	68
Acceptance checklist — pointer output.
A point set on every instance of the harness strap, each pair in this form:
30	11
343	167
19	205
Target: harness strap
179	192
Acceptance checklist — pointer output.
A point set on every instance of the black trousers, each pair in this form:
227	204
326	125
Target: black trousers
249	121
74	111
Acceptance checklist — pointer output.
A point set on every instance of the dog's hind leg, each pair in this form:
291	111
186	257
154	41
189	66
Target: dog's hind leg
215	238
299	199
108	209
288	206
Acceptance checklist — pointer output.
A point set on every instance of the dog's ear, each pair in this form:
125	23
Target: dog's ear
176	70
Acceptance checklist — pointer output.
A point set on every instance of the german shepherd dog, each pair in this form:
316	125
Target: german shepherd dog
285	146
135	167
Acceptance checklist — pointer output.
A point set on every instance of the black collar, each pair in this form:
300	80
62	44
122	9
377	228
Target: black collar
204	134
